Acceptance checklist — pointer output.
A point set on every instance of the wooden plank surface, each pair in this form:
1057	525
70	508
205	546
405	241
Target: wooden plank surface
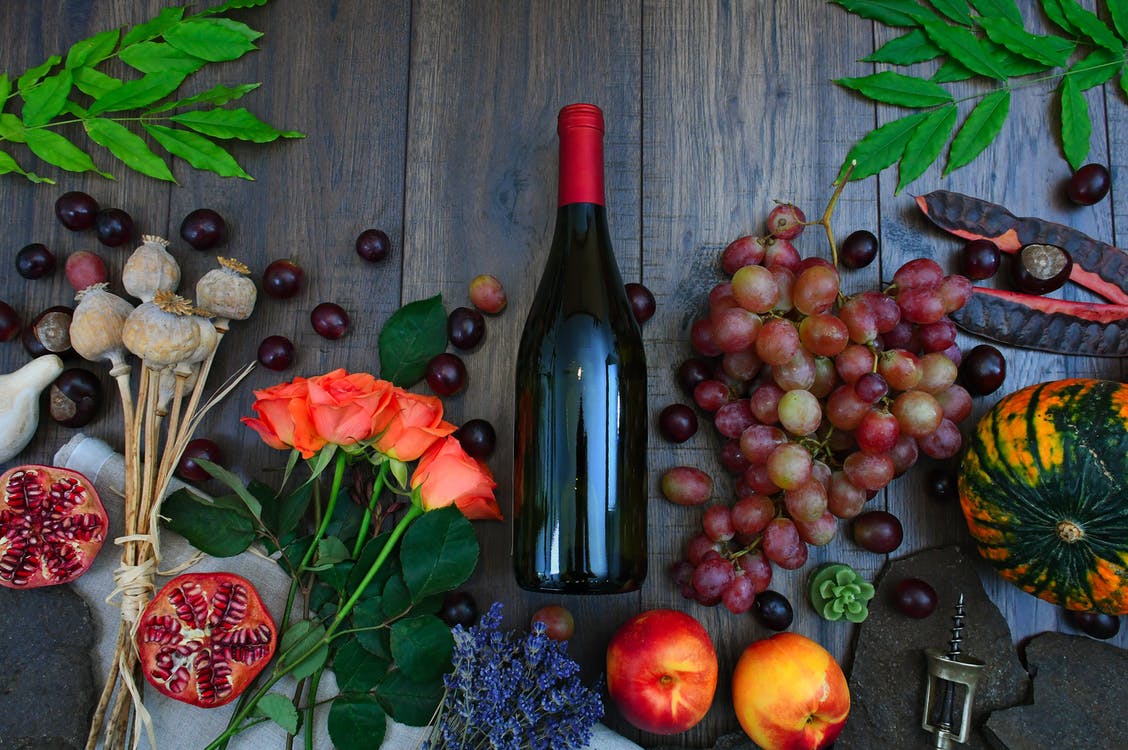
435	121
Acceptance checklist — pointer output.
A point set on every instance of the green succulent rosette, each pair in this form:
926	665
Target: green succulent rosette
838	592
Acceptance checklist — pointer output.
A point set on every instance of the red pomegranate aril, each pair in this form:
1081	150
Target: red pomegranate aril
188	468
203	229
276	353
76	210
282	279
330	320
373	245
642	302
465	328
446	374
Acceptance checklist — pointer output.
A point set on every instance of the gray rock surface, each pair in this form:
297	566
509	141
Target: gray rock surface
47	688
1078	698
887	677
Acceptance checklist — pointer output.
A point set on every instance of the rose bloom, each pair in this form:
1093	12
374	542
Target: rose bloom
409	425
344	407
446	474
284	420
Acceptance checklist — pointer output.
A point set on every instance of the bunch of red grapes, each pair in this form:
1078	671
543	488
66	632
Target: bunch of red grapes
823	398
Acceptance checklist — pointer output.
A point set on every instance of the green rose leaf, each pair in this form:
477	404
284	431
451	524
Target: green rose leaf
279	709
94	83
1089	24
395	600
422	647
301	653
34	75
93	50
882	147
956	10
1098	66
330	551
217	96
292	508
894	88
412	336
55	149
372	635
888	12
907	49
357	670
368	555
46	100
961	44
128	147
438	553
197	151
979	129
209	40
1049	50
232	123
139	93
357	722
157	57
409	701
236	485
1007	9
1076	127
209	527
143	32
926	144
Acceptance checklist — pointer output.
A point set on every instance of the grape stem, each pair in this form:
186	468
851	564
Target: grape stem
824	220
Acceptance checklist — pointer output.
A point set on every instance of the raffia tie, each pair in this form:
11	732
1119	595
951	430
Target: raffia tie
134	583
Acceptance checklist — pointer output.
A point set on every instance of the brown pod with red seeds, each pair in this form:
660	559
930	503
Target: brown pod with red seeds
52	525
205	637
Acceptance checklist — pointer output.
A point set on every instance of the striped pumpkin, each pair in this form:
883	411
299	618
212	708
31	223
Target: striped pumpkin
1044	488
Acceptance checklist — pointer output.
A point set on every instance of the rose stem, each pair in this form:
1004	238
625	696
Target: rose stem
377	488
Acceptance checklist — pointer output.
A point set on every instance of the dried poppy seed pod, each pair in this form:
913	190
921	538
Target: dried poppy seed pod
163	332
97	324
209	337
227	291
150	269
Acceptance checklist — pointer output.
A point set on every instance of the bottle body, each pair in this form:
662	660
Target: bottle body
581	418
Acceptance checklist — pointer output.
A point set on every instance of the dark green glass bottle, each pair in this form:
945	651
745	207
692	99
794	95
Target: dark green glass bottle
581	419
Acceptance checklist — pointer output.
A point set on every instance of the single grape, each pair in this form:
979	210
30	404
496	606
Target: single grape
915	598
9	322
114	227
203	448
954	292
743	251
764	402
942	443
937	373
983	370
559	625
758	480
642	302
699	547
742	366
329	320
759	440
739	595
446	374
904	454
35	261
854	362
701	337
754	288
878	432
716	522
677	423
203	229
711	395
870	471
807	502
956	403
785	221
860	320
712	576
871	387
751	515
799	412
373	245
734	418
918	273
1089	184
900	368
980	259
921	305
693	371
780	253
815	290
84	268
282	279
458	608
844	498
772	610
732	459
757	568
76	210
789	465
478	438
276	353
886	312
878	531
777	342
1094	624
845	408
734	328
686	485
859	249
798	373
819	532
938	336
487	294
917	413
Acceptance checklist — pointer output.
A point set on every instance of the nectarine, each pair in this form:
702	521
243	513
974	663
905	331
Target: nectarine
790	694
662	671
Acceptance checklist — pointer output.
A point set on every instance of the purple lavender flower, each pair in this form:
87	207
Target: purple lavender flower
512	691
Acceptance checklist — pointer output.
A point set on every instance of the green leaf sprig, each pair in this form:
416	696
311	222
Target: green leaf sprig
75	89
985	40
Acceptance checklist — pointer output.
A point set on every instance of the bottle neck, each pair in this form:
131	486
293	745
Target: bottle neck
581	164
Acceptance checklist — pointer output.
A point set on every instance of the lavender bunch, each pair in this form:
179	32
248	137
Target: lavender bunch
513	691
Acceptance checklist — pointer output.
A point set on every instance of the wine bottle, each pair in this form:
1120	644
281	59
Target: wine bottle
579	517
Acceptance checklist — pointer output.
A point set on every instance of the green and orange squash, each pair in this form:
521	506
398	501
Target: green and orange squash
1044	489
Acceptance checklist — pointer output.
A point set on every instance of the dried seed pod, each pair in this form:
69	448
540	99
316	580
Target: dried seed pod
209	337
96	327
150	268
163	332
227	291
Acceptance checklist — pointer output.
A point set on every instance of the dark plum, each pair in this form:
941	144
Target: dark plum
983	370
941	484
859	249
1094	624
9	322
276	353
76	210
915	598
329	320
282	279
446	374
477	438
642	302
203	448
373	245
677	423
772	610
1089	184
114	226
203	229
980	259
35	261
465	327
878	531
458	608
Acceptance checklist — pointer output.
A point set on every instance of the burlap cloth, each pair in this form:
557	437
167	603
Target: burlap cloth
179	726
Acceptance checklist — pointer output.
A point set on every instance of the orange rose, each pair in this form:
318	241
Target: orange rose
410	425
283	418
344	406
446	474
